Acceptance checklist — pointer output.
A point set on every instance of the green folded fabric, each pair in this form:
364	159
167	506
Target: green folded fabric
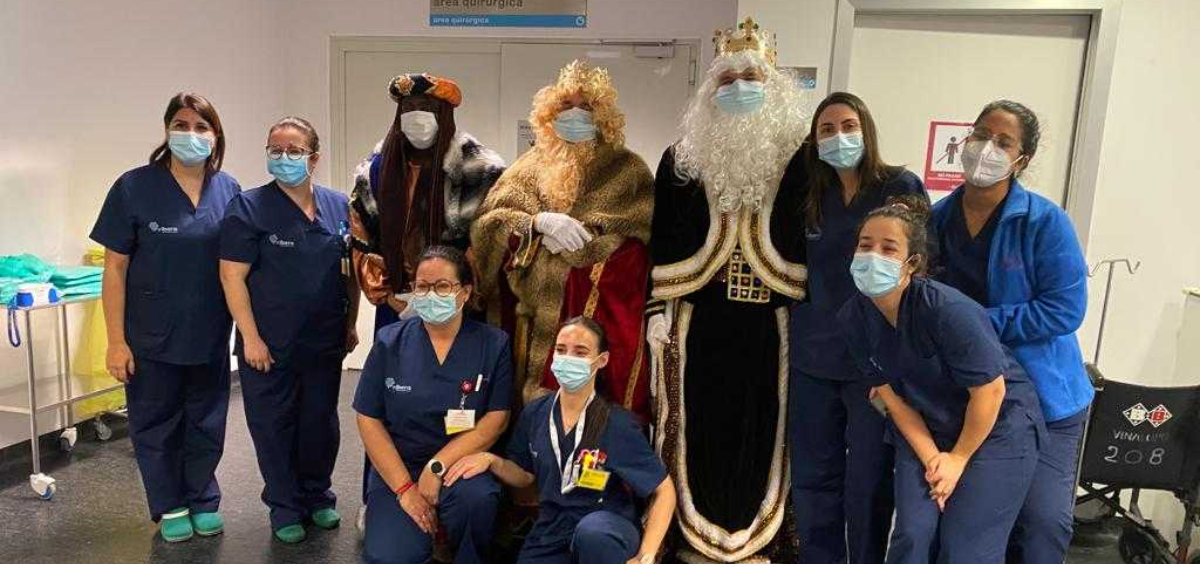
28	268
68	276
92	289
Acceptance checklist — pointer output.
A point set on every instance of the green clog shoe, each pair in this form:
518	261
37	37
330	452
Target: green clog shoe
175	525
291	534
208	524
327	518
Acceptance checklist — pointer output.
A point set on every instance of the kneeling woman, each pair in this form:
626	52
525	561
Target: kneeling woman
434	389
589	459
967	411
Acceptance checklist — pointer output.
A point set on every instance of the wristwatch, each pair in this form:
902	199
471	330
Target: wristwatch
437	467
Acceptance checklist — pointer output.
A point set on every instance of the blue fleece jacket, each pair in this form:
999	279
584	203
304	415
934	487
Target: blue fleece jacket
1037	294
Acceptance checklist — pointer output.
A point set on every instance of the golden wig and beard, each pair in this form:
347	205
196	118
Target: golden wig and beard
562	163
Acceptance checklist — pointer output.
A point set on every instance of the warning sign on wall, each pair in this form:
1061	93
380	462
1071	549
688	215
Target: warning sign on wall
525	136
943	155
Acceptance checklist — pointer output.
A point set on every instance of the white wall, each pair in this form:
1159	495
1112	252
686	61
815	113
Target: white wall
804	29
310	24
1146	202
84	88
1147	205
85	84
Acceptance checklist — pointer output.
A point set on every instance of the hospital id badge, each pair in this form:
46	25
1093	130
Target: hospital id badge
459	420
590	479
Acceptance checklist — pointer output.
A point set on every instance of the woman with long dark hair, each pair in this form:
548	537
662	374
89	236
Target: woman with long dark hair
841	468
168	329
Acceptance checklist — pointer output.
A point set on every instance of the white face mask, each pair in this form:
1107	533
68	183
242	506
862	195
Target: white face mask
985	164
421	128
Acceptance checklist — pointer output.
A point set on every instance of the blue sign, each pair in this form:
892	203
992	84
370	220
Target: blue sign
509	20
508	13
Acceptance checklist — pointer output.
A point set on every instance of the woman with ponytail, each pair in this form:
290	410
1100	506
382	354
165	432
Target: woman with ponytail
589	459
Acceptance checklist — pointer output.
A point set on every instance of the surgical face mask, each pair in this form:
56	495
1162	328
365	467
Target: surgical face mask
842	151
189	148
421	128
572	372
575	125
874	274
741	96
985	164
434	309
287	171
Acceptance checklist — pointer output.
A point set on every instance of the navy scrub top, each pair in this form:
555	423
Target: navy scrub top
403	385
963	260
818	349
943	344
175	309
636	470
297	290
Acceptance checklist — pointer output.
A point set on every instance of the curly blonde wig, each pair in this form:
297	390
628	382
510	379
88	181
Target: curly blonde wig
562	163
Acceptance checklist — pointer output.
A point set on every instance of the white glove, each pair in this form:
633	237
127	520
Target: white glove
408	312
551	245
656	333
566	231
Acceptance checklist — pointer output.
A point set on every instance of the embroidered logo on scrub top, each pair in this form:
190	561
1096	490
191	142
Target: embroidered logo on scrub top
275	240
390	383
156	228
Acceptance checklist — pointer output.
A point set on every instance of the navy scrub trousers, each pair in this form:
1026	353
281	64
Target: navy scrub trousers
177	326
298	295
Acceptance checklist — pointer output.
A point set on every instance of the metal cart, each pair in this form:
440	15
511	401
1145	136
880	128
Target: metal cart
55	392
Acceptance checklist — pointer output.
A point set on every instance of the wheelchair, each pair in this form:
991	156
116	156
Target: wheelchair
1143	438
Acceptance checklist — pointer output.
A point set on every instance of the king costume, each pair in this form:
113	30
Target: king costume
727	251
564	232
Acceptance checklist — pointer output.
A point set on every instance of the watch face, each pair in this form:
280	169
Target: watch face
437	468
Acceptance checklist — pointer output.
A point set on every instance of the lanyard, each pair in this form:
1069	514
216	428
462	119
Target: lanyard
569	476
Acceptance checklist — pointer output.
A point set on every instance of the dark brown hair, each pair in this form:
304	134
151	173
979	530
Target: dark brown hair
303	126
821	177
200	105
394	208
1031	130
596	420
913	211
462	268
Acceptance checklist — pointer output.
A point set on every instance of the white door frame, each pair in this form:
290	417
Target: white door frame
340	46
1105	17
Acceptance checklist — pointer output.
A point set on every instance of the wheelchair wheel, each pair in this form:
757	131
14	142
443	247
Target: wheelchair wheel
1137	546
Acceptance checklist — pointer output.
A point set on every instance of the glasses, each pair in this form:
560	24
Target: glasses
294	153
1003	141
443	288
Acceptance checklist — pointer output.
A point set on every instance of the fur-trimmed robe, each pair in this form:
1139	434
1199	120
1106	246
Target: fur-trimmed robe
471	170
606	280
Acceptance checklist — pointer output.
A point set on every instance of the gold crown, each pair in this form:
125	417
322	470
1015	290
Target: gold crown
580	74
747	37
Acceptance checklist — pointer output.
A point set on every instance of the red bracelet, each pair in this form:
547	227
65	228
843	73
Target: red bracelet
400	490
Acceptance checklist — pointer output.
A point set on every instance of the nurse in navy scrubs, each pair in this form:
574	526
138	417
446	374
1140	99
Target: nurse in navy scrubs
285	269
168	329
436	388
1016	253
841	468
591	463
964	417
